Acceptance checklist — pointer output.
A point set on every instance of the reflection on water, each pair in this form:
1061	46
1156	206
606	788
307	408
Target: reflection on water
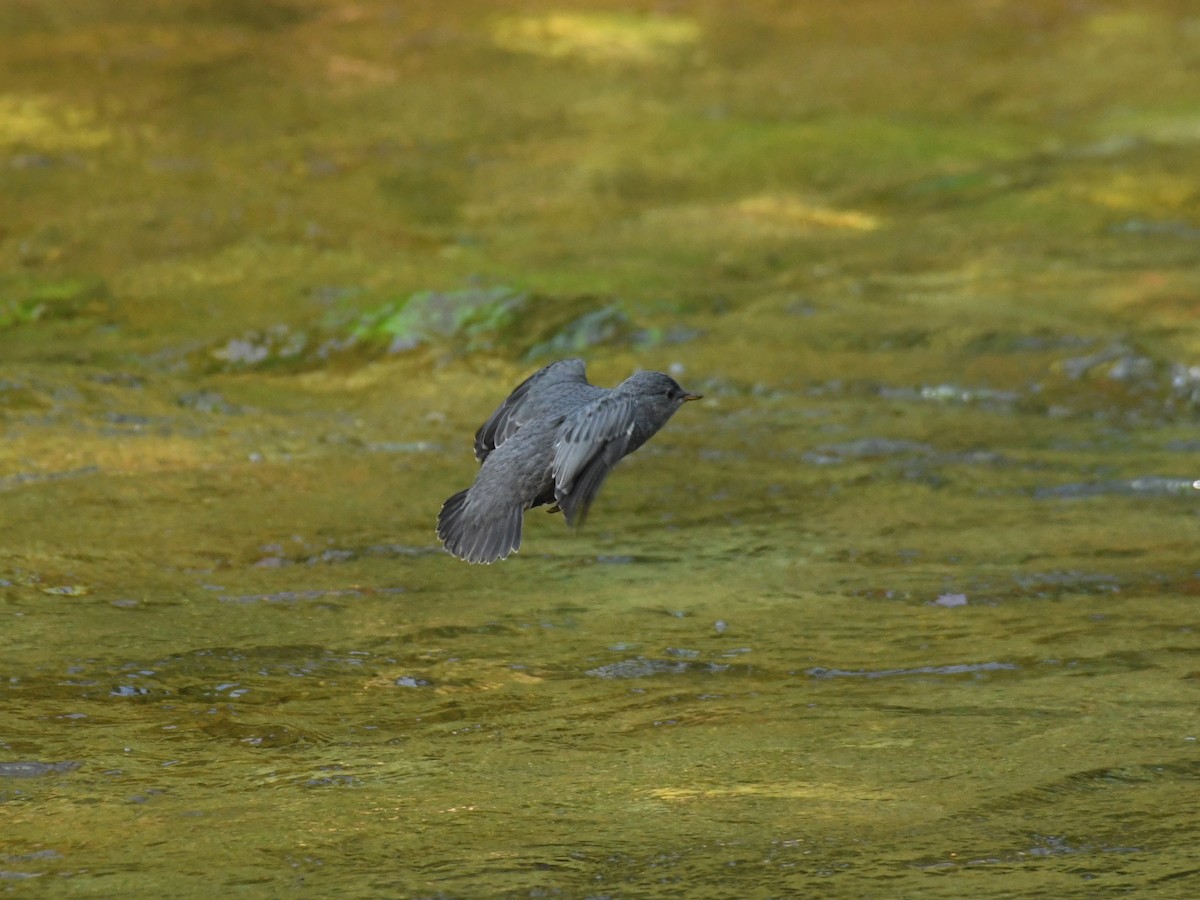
906	605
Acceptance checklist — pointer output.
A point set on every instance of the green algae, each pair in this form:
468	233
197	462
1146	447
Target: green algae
24	301
453	323
478	319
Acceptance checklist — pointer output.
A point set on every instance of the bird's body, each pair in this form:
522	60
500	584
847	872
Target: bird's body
554	440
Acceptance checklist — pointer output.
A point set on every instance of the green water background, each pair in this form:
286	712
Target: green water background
906	606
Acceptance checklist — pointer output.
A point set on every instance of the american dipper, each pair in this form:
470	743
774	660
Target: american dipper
554	440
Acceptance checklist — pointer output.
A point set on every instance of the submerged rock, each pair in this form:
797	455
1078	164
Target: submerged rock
36	769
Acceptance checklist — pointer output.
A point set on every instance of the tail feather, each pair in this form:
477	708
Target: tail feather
475	538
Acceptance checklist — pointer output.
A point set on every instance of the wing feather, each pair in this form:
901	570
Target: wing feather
522	404
590	443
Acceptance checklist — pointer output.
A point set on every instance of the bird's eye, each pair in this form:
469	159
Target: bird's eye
671	393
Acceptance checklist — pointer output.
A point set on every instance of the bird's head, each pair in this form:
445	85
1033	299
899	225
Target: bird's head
657	395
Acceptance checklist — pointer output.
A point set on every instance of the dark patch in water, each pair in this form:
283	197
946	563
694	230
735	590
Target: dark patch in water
954	669
644	667
33	769
1146	486
864	448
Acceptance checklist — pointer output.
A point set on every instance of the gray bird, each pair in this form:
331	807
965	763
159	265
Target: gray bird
554	440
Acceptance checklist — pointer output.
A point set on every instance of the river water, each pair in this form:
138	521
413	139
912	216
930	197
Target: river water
906	605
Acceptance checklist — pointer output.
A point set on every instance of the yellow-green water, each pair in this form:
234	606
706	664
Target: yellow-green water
906	606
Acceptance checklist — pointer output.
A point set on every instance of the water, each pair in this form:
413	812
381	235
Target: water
905	605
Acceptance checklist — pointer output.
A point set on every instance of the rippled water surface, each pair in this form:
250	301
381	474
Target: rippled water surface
906	605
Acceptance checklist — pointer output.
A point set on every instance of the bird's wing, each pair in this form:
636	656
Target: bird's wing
590	442
522	404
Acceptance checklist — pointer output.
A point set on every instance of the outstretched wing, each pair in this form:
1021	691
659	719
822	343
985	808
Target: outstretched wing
591	441
525	403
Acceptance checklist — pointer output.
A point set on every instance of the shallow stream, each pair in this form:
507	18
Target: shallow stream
907	605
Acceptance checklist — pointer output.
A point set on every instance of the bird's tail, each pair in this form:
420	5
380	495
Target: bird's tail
467	535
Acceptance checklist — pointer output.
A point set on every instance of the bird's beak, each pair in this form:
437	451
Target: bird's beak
687	397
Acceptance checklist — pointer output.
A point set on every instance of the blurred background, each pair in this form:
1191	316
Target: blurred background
909	596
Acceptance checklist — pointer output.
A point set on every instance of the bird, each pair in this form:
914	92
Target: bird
553	441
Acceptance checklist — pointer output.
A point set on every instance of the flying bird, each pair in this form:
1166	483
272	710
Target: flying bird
554	440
